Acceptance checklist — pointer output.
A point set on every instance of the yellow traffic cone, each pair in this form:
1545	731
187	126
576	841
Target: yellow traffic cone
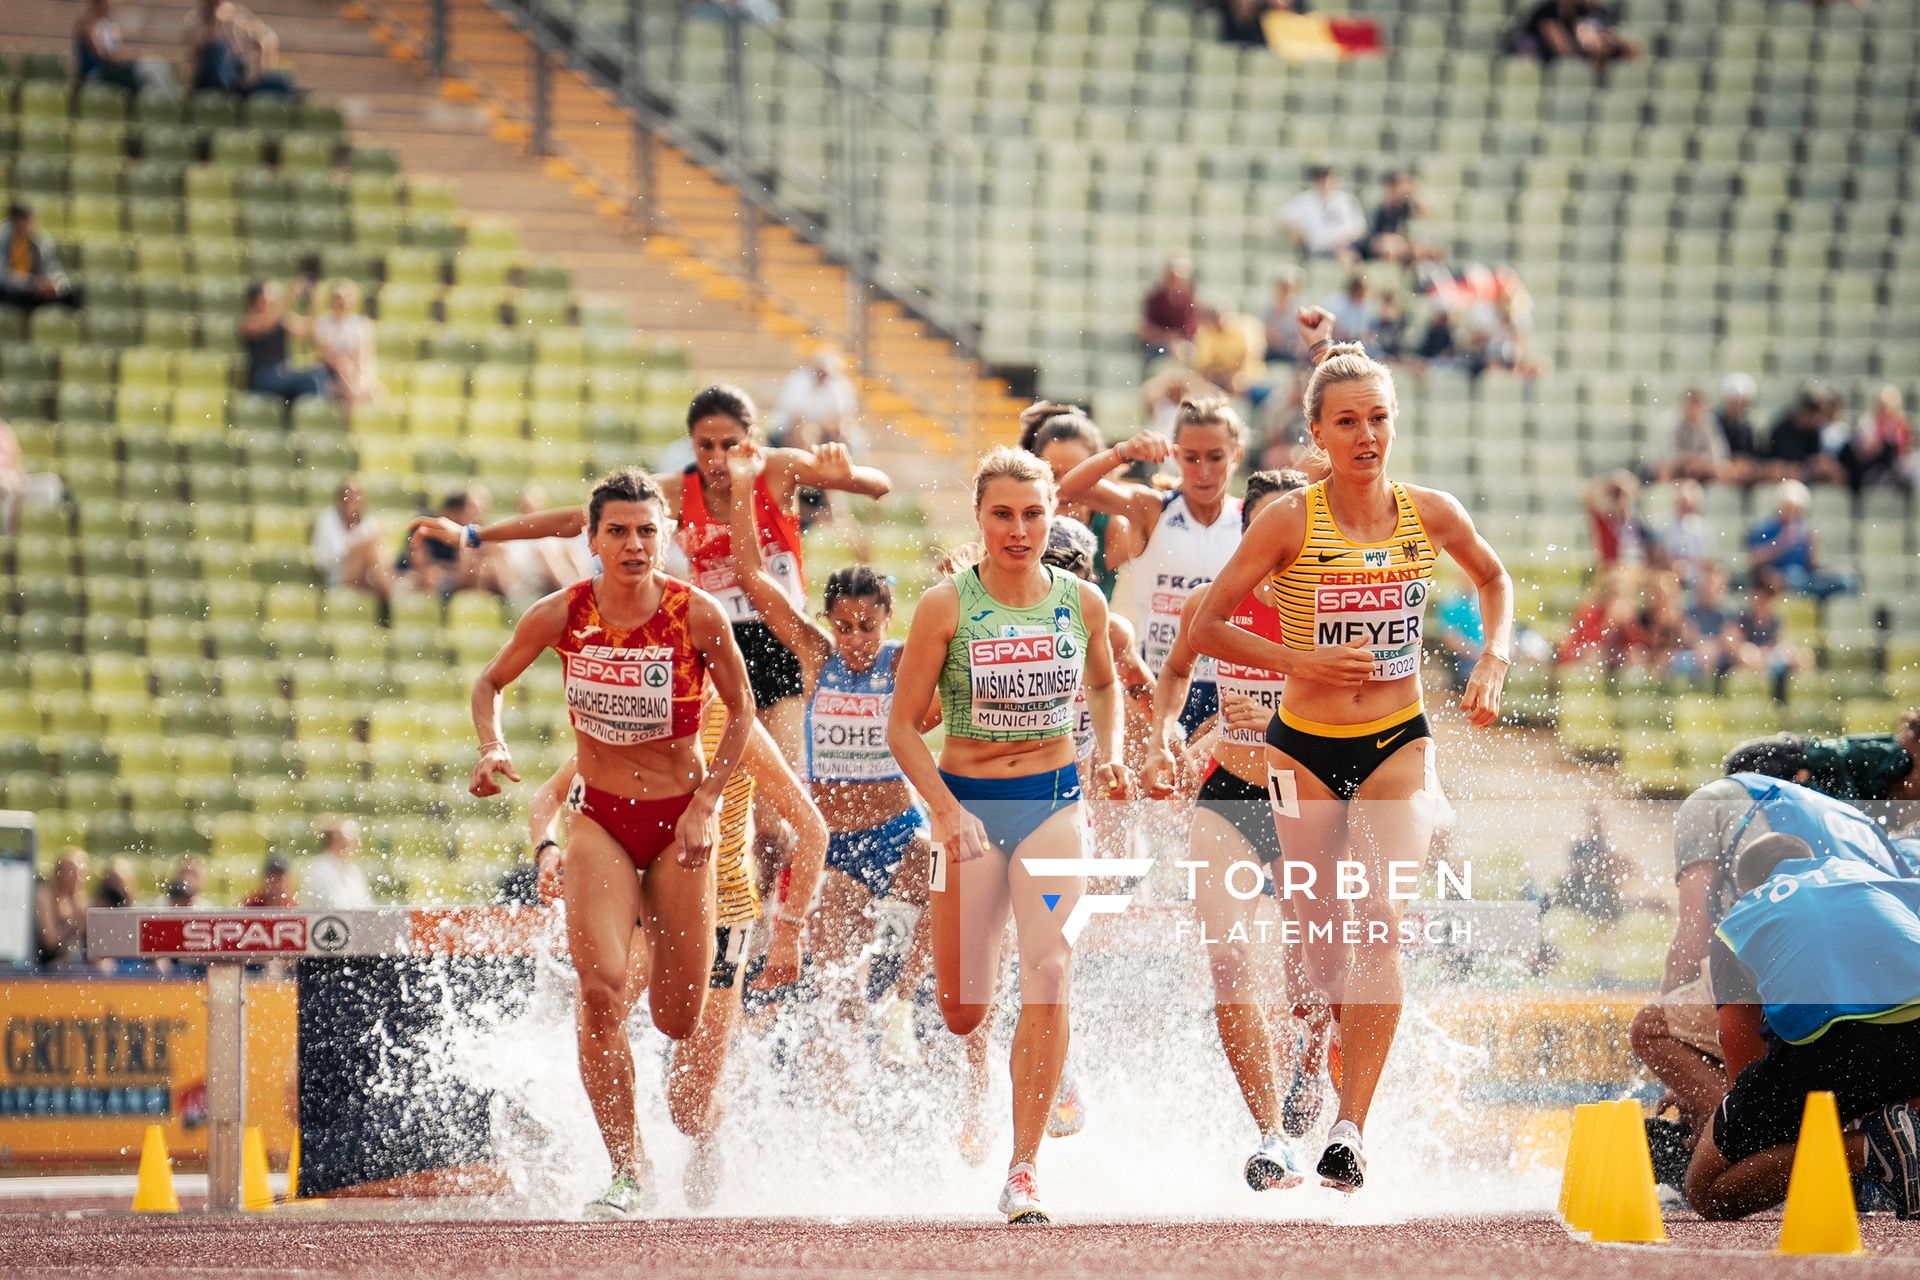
154	1192
255	1194
293	1168
1595	1171
1628	1209
1820	1215
1580	1148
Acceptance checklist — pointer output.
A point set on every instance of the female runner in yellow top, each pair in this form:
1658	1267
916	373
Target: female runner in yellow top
1350	757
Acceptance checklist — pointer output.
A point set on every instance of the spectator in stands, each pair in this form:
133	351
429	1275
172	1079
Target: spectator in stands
1228	350
343	339
1796	443
1389	236
1714	628
264	331
1784	547
30	274
1693	449
1571	29
1667	639
1354	316
533	567
818	405
1606	626
19	486
1734	416
185	885
99	56
60	912
1282	319
233	51
1763	645
114	888
1390	328
1285	440
1242	21
1620	536
346	544
334	879
1170	315
1325	220
1880	451
276	885
1596	871
1684	541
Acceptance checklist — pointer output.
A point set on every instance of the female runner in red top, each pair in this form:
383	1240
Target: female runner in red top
637	647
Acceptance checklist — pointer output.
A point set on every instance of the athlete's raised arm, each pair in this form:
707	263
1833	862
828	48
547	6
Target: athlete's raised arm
1452	531
539	628
827	466
1089	482
789	622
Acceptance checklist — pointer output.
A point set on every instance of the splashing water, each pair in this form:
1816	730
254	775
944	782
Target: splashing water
816	1125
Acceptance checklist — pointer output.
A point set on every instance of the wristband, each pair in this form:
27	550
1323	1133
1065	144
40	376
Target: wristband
545	845
473	535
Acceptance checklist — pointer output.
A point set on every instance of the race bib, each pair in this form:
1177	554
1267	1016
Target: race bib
723	584
1381	610
622	697
1025	683
1261	685
1164	608
849	736
1082	725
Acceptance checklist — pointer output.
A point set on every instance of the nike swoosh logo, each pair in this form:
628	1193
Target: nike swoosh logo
983	615
1379	744
1329	555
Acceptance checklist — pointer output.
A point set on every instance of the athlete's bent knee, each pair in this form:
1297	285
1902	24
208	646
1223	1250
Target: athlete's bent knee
961	1018
1044	978
1649	1028
676	1016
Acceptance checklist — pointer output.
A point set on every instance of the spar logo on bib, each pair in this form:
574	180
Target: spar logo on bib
1024	683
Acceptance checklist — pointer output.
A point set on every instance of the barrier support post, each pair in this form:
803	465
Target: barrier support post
226	1082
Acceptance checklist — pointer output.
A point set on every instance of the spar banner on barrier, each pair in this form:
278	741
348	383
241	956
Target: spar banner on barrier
87	1063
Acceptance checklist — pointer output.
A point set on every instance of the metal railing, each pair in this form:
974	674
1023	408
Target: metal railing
805	139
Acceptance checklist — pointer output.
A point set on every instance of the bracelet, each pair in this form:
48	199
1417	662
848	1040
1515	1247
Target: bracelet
488	746
798	922
473	535
545	845
1498	657
1313	352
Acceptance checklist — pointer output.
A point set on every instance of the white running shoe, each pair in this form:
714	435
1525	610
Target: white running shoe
1069	1114
1020	1198
1273	1166
1343	1166
701	1181
898	1043
623	1199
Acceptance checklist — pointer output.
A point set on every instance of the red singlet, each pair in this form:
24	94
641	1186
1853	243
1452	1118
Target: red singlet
1258	683
625	688
708	546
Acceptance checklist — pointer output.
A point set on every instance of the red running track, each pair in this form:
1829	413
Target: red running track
312	1242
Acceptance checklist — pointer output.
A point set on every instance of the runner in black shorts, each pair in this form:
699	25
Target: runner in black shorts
1232	819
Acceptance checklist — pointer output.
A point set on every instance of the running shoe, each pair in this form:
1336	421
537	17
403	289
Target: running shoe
1893	1155
1272	1166
1020	1198
623	1199
1343	1166
702	1178
898	1043
1069	1114
1305	1097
